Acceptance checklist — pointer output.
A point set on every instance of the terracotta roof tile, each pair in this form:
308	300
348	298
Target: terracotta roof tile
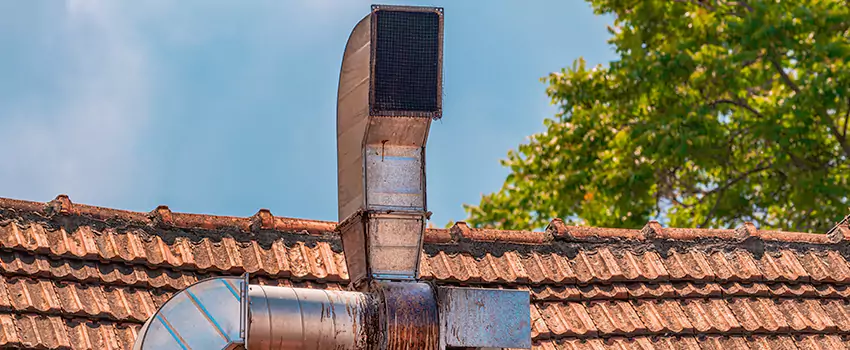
644	267
662	316
615	317
50	332
583	344
91	284
603	291
805	315
782	266
692	265
567	319
826	266
715	342
745	289
755	342
461	231
839	312
23	264
548	293
820	342
758	315
832	291
8	333
710	316
771	343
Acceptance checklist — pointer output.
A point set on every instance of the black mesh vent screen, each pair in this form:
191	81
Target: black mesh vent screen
406	61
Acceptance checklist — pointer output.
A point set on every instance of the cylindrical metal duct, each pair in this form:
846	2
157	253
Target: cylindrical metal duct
227	313
306	319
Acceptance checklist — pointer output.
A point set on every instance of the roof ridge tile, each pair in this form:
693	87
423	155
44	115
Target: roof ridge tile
556	230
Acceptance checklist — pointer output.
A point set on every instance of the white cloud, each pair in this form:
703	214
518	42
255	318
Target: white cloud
79	138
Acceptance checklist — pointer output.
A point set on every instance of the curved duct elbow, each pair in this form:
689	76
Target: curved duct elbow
229	314
390	89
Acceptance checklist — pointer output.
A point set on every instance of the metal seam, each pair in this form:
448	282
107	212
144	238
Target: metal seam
207	315
173	332
232	291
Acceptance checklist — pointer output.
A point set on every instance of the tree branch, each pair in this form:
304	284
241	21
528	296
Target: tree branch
785	78
738	103
833	128
740	177
713	209
846	119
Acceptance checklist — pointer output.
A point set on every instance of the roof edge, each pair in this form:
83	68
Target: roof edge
557	230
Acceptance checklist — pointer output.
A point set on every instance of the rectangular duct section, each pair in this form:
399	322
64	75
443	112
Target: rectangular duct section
389	92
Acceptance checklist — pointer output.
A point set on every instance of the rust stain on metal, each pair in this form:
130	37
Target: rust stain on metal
410	314
383	148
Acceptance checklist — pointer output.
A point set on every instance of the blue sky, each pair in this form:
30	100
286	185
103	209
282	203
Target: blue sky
225	107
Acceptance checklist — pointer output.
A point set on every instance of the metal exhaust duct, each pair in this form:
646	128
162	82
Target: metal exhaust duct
390	88
227	313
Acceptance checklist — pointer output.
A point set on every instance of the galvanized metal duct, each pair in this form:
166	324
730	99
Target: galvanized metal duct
227	313
209	314
390	88
308	319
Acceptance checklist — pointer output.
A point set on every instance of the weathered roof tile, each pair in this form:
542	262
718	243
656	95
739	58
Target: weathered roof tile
567	319
615	317
90	285
771	342
691	265
663	316
710	316
758	315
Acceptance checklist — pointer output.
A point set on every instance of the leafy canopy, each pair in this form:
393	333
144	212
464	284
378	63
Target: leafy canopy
716	112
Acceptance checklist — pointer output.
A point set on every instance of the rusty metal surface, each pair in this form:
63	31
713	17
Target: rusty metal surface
308	319
408	315
475	317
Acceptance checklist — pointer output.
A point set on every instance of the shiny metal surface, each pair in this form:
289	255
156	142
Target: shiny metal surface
474	317
206	315
307	319
352	117
381	168
394	177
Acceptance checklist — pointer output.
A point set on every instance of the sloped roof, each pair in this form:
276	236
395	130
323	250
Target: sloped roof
82	277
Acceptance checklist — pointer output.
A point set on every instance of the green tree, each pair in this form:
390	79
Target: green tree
715	113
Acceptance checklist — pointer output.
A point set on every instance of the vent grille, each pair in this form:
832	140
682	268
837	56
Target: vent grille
407	62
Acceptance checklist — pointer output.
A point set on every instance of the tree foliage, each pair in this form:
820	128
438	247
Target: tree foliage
715	113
